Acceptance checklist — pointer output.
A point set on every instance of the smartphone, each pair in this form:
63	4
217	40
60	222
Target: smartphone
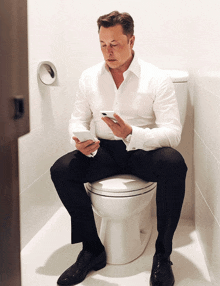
84	135
108	114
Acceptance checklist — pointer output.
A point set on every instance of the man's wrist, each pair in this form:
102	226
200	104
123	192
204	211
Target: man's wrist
127	139
129	132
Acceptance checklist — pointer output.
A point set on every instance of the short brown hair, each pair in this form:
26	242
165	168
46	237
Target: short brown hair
115	18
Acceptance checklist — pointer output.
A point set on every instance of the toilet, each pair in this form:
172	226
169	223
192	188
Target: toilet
123	202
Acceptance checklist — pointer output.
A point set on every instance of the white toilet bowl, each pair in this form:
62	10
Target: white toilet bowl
124	204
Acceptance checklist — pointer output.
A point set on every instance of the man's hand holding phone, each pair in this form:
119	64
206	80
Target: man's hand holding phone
118	126
85	142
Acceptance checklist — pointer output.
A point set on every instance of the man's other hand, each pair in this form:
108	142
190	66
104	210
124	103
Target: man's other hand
86	147
120	128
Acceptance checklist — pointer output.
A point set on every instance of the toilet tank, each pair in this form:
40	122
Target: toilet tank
180	79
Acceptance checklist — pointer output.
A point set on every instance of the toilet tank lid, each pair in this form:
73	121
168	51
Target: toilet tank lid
178	75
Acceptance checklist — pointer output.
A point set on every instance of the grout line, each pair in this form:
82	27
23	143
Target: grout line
206	89
207	204
207	146
33	182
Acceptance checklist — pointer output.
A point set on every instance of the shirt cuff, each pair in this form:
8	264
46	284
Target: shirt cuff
136	140
127	140
92	154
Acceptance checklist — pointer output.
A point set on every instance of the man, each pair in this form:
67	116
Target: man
141	142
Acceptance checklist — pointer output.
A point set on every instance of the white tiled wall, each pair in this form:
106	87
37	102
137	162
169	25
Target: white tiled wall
205	55
207	165
49	112
171	34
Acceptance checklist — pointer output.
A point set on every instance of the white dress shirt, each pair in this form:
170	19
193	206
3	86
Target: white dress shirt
146	100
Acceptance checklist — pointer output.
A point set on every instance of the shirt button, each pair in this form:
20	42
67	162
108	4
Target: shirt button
133	148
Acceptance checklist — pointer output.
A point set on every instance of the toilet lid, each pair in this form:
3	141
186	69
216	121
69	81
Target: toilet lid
121	185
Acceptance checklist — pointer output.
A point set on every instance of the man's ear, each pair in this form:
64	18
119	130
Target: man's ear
132	39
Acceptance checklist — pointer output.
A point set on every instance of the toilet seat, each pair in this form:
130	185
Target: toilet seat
121	186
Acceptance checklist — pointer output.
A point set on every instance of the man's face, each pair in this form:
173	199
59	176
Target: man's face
116	47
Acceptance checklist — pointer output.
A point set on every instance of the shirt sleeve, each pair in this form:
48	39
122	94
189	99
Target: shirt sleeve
167	132
81	116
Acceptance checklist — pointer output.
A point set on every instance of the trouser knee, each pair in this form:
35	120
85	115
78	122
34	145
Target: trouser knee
173	164
61	168
72	166
56	171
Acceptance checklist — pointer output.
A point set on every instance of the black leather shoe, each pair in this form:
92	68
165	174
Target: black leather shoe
86	262
161	274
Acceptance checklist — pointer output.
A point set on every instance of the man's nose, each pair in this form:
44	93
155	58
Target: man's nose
109	50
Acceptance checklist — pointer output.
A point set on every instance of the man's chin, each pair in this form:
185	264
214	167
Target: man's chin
112	64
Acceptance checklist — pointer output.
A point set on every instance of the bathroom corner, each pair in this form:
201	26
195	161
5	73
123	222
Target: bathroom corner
207	165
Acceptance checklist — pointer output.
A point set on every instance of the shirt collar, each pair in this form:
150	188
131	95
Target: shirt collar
134	67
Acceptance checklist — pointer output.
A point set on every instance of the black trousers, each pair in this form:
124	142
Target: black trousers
165	166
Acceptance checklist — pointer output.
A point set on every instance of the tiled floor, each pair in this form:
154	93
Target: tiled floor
49	253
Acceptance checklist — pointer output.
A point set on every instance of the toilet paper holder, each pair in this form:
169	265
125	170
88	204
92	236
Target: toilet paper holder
47	72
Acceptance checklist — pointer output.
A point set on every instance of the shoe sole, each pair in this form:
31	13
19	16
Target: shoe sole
99	266
96	267
171	285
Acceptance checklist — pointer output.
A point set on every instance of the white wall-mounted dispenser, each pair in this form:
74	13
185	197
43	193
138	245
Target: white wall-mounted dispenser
47	72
